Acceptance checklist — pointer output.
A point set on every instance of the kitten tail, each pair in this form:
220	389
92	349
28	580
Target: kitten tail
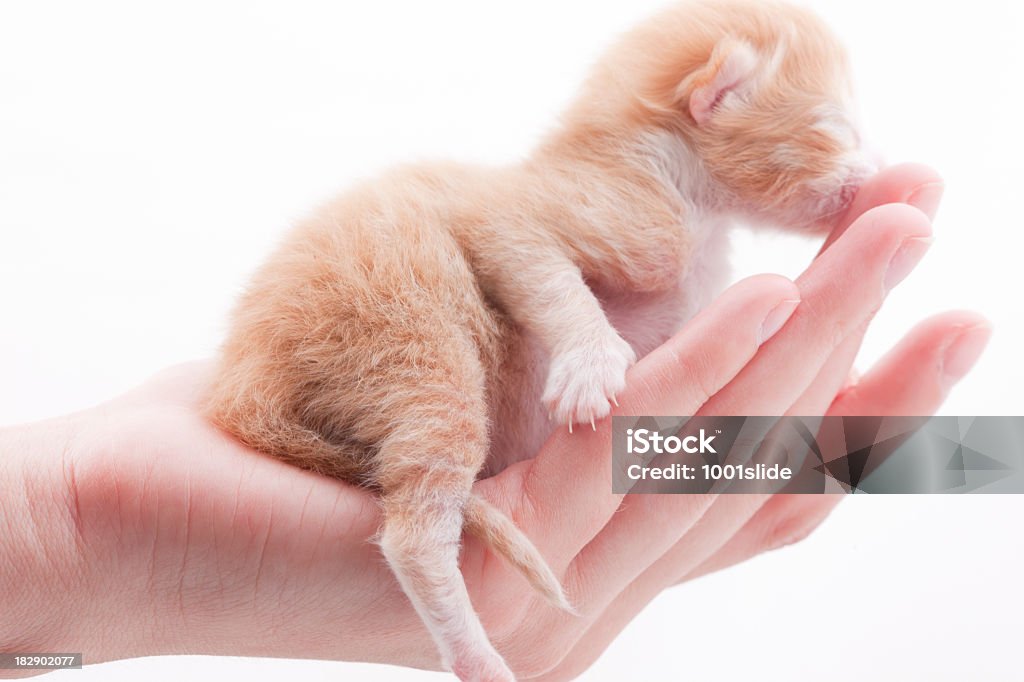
489	524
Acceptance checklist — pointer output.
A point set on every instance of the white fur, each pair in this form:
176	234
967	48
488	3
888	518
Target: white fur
587	375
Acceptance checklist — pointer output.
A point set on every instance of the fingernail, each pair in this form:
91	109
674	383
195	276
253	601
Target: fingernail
927	197
963	351
776	318
908	255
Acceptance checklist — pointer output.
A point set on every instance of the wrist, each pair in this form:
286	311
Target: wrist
58	589
38	559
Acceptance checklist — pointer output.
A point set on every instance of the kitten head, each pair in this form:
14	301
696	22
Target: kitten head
760	92
770	117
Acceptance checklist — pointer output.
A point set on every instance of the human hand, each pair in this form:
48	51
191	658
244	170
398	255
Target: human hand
630	549
144	530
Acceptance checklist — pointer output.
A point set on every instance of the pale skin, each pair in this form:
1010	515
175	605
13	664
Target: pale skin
136	528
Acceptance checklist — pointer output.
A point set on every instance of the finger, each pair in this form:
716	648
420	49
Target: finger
908	183
601	633
841	291
916	376
912	184
605	629
783	520
912	379
563	496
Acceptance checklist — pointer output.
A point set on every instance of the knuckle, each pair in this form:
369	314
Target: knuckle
701	374
835	332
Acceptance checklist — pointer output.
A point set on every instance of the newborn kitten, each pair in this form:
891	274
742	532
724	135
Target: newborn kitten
419	330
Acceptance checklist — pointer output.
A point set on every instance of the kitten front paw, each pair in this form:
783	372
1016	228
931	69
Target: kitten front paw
584	380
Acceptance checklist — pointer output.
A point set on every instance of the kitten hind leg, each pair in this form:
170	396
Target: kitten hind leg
423	520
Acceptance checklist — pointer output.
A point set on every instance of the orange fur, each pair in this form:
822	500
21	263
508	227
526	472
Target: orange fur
412	334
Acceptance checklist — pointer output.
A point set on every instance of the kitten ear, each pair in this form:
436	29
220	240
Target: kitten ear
730	66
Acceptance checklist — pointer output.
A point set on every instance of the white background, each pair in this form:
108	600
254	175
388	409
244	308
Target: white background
150	155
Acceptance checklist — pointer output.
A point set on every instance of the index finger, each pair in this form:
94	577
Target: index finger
905	183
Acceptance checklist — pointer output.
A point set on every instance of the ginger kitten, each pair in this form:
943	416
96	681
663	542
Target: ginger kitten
386	334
